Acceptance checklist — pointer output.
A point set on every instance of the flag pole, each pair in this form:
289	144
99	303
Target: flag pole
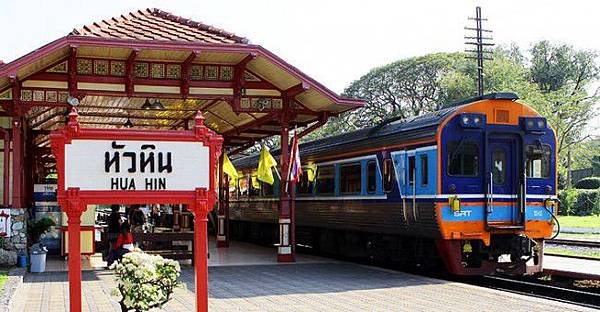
292	153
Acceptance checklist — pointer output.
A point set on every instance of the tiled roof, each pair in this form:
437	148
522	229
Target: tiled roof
155	24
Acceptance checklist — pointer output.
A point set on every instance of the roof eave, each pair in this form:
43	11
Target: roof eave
10	69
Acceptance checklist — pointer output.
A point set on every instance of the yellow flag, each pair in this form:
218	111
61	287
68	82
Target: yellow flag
228	168
310	172
265	163
255	183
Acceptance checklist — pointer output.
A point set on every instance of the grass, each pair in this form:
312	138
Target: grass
581	222
592	253
3	278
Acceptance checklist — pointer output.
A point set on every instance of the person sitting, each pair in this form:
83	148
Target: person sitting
123	245
137	219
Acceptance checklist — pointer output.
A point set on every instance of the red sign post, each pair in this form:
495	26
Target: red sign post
135	166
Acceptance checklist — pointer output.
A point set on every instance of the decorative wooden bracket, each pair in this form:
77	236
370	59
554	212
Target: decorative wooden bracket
185	73
129	71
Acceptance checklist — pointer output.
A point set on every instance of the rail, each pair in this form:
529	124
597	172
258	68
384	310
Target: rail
573	242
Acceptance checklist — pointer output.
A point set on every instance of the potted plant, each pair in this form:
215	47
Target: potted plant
37	254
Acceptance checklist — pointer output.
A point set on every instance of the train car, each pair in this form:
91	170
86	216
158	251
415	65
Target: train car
473	185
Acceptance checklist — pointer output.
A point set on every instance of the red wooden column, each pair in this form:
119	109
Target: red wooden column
223	209
74	208
285	252
17	170
200	209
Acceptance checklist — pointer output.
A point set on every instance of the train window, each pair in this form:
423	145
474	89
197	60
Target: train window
411	170
266	189
371	176
538	161
463	158
254	186
350	178
304	186
498	166
326	180
388	175
424	171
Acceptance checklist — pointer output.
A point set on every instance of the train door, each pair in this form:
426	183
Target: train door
502	165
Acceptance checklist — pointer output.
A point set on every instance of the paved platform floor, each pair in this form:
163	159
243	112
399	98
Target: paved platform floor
312	284
572	266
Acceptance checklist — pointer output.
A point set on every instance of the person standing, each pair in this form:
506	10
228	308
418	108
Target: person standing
123	245
114	226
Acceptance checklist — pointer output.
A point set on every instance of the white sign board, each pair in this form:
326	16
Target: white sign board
5	224
104	165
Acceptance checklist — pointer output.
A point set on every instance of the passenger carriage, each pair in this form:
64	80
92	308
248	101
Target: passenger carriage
473	185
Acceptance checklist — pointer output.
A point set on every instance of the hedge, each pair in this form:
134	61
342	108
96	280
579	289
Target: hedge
579	202
591	183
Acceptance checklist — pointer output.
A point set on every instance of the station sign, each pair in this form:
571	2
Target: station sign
133	165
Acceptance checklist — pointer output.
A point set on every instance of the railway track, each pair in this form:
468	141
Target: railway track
573	242
540	290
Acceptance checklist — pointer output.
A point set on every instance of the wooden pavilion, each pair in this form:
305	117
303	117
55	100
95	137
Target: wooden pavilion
151	69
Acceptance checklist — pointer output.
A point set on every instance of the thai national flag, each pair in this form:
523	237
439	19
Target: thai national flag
295	164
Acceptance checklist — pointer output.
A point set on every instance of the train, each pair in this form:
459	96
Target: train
470	188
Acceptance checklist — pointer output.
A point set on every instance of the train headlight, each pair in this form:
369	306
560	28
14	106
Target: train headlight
454	203
471	120
534	124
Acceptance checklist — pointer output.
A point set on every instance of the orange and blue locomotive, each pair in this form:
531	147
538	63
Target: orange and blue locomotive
472	185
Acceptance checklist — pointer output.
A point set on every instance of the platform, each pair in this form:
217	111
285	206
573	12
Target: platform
572	267
245	277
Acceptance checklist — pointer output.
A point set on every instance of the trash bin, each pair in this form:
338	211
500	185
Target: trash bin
37	256
22	260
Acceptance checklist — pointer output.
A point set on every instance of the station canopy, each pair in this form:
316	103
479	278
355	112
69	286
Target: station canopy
152	69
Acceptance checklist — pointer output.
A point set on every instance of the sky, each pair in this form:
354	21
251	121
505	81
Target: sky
333	41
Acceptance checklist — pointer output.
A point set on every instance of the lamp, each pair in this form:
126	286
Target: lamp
157	105
147	105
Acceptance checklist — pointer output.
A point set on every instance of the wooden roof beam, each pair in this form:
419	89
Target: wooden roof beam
295	90
129	71
72	70
256	123
185	73
238	80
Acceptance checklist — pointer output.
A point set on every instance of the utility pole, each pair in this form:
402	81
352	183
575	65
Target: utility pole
481	44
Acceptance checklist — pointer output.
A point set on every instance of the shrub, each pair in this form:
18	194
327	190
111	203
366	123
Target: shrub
588	203
145	281
576	202
568	198
590	183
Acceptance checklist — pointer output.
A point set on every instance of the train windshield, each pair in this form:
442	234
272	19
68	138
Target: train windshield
538	160
463	158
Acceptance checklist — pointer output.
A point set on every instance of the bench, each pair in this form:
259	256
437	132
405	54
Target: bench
162	244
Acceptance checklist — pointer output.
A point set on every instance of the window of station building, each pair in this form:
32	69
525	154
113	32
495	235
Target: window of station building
463	158
326	180
266	189
411	170
304	187
424	170
538	161
388	175
498	166
371	177
350	178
